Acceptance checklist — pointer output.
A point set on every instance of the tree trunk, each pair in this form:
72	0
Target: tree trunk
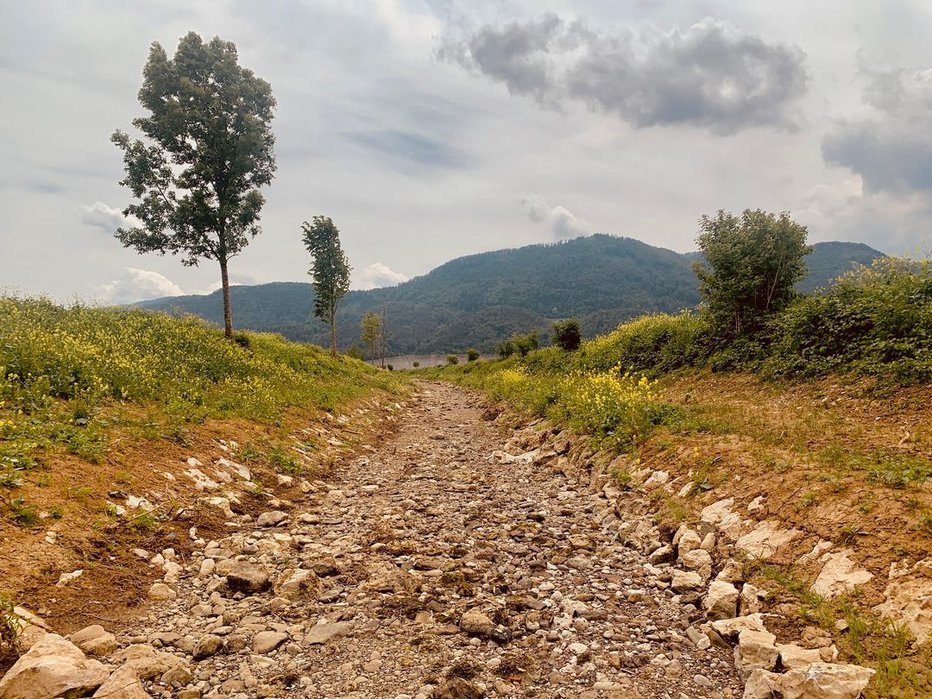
333	332
227	308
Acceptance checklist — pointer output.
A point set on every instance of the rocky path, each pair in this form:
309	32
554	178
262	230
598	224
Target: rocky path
440	565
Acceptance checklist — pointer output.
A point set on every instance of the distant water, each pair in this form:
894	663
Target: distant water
406	361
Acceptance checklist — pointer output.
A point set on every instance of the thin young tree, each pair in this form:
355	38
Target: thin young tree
208	149
371	333
330	270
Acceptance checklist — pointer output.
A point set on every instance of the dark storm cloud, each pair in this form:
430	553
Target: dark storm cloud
409	148
709	76
891	149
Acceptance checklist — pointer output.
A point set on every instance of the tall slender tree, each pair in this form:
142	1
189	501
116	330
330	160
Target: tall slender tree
208	150
330	270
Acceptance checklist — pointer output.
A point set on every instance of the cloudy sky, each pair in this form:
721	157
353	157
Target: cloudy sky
430	129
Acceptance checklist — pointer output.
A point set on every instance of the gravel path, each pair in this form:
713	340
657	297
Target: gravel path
430	569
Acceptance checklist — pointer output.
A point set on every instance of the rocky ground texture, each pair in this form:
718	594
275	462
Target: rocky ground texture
457	559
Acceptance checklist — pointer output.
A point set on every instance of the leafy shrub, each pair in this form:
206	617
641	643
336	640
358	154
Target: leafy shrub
873	320
452	359
653	344
416	364
566	335
472	354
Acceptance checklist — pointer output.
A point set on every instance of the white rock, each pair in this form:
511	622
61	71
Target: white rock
839	575
908	598
721	601
821	547
817	681
66	578
750	601
765	539
794	657
698	560
755	650
717	511
53	667
686	581
688	541
657	479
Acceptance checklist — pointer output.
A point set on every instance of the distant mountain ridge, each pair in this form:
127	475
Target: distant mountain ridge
477	300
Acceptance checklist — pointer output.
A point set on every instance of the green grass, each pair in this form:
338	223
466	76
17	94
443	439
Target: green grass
9	626
617	410
69	375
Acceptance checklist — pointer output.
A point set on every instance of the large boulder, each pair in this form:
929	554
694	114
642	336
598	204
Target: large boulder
817	681
53	667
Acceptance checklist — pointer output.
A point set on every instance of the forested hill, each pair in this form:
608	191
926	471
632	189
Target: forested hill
477	300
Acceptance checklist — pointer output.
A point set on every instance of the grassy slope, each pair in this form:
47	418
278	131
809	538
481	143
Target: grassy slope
94	401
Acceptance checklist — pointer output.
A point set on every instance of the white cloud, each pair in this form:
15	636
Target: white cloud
847	210
137	285
562	222
106	217
376	276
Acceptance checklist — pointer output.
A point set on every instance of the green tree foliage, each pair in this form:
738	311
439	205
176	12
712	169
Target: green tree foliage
372	336
472	354
566	335
506	348
519	344
452	359
751	264
356	353
208	150
874	320
330	270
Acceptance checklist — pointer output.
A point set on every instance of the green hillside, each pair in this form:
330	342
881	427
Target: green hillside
477	300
